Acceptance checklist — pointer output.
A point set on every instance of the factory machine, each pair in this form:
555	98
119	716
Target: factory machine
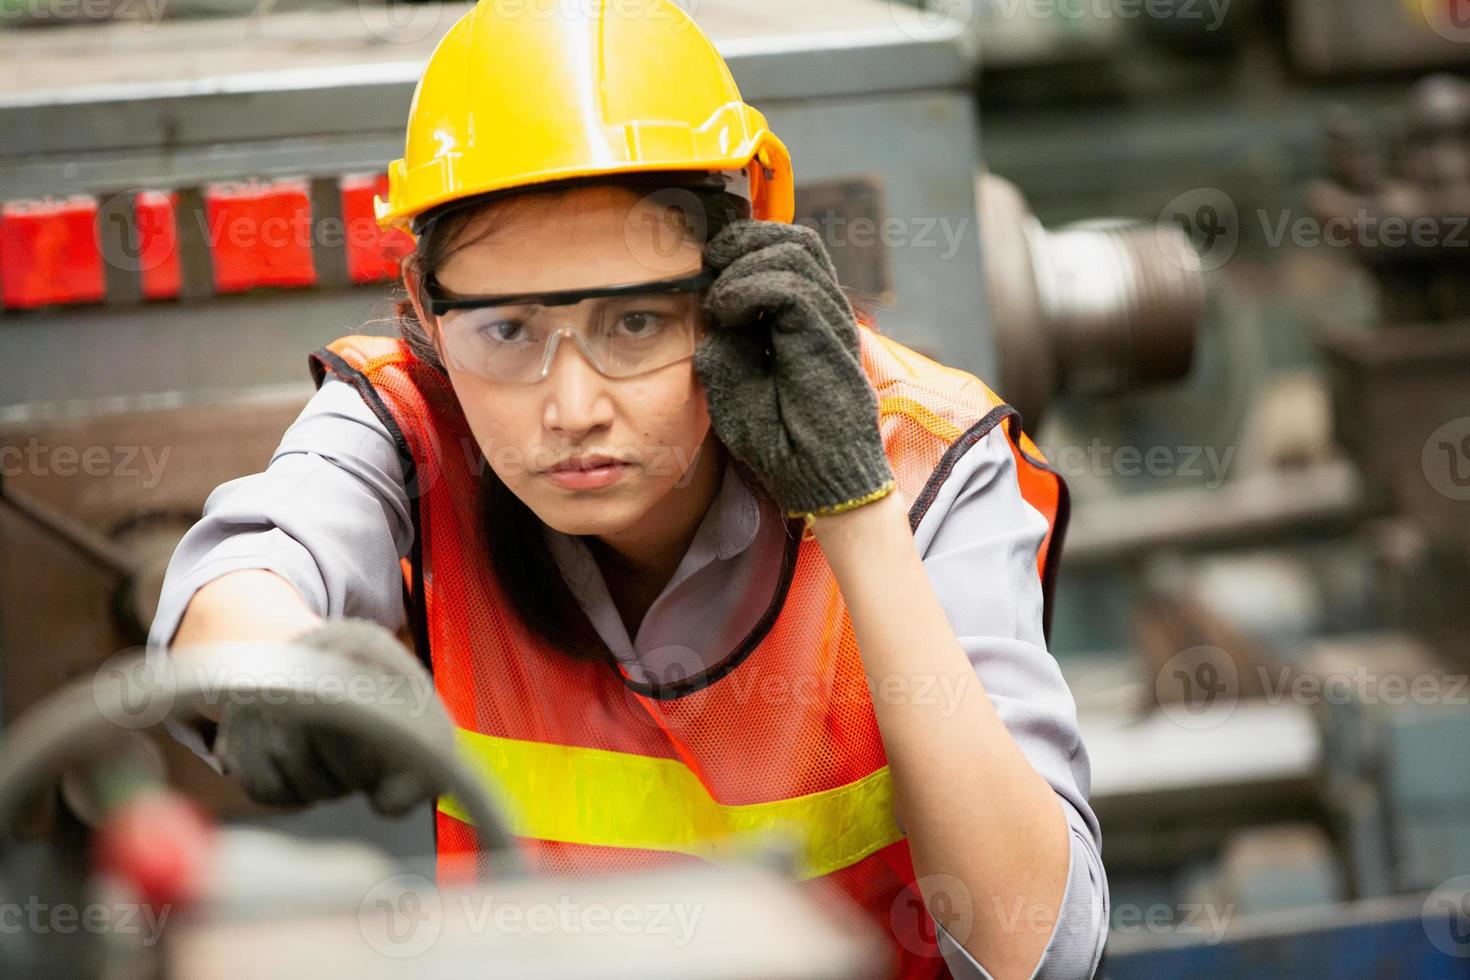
1280	744
1279	758
1265	629
1300	764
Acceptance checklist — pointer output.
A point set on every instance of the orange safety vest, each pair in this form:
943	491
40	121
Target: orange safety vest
602	774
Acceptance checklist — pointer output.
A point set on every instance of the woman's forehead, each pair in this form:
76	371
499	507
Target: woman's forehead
585	237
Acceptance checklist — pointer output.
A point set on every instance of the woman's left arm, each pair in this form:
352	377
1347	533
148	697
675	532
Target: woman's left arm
978	815
782	369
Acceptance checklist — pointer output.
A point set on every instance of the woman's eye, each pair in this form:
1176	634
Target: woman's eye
502	331
641	323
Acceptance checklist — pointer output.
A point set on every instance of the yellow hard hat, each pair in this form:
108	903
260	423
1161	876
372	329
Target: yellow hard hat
521	92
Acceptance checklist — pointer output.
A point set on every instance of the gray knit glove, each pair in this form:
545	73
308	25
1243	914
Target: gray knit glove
782	371
282	759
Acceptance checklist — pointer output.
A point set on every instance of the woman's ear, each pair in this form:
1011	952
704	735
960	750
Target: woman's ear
413	282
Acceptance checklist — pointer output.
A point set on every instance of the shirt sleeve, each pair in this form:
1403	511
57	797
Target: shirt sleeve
979	541
329	514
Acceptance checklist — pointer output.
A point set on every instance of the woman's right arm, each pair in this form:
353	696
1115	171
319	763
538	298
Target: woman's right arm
250	604
317	535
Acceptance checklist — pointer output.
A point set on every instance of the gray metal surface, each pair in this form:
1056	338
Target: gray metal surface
68	357
342	87
855	89
699	923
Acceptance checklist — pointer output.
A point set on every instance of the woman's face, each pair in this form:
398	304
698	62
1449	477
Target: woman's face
656	423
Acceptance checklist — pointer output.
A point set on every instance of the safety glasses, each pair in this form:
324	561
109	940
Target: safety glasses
623	330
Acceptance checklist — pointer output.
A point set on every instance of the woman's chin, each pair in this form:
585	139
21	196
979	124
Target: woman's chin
590	515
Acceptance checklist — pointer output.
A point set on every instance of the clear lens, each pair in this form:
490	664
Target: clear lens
622	336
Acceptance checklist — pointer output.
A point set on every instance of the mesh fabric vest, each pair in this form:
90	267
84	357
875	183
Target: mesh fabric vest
605	775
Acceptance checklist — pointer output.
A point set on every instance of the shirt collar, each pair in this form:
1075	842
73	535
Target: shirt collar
734	515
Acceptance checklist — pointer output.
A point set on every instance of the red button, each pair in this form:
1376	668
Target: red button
372	252
155	213
49	253
160	843
259	234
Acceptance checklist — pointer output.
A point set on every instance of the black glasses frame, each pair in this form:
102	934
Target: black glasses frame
442	301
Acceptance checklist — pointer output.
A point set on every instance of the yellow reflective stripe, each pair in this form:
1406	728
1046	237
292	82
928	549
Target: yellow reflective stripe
941	427
617	799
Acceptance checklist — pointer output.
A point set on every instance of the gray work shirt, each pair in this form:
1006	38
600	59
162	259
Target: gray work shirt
330	515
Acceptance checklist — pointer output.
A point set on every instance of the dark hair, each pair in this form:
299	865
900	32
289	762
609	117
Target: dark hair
519	555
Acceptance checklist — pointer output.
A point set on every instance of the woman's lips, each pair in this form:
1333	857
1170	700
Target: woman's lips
593	479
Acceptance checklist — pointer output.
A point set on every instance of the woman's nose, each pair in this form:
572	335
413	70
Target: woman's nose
577	399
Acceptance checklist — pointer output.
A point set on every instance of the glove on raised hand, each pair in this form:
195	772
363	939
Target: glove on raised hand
281	757
782	371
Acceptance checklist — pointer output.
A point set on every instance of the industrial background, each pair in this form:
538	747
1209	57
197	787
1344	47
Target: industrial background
1215	251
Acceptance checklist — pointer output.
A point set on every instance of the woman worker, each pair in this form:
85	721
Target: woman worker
688	548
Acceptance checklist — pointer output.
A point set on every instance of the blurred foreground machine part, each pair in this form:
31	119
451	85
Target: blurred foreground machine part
168	894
